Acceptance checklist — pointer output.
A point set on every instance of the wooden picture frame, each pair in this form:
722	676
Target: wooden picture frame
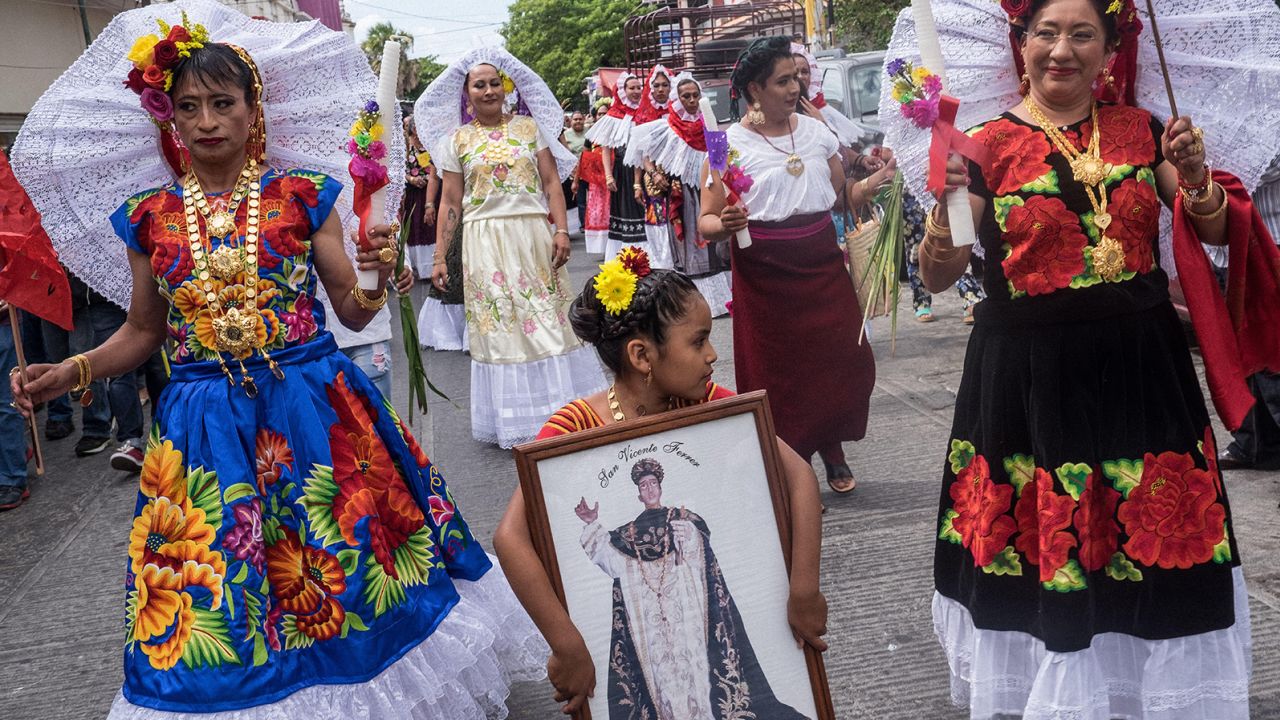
709	447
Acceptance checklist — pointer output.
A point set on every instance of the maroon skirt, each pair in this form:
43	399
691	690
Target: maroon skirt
795	332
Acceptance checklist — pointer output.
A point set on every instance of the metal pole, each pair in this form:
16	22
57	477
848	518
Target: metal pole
84	24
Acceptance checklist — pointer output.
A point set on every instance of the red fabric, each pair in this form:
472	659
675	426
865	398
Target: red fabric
1239	335
796	293
692	132
819	101
30	276
946	138
591	167
648	112
619	109
360	200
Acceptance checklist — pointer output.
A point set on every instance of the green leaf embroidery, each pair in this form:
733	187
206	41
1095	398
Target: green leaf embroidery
1122	568
210	642
202	489
1021	470
962	453
132	203
242	574
293	637
1046	183
948	531
1222	551
252	614
1006	563
1118	173
1147	176
349	559
130	616
318	493
271	535
230	596
259	651
1067	578
1001	205
381	591
1073	477
352	622
238	491
413	559
318	179
1125	475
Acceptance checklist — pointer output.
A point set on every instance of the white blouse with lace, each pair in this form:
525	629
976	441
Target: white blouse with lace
775	193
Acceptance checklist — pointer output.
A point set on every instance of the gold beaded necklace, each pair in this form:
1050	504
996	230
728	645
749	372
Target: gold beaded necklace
615	407
1089	169
235	324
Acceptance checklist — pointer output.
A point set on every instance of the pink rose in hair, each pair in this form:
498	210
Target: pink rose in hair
158	104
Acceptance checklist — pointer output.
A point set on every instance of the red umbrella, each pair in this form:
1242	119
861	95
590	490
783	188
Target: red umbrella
30	276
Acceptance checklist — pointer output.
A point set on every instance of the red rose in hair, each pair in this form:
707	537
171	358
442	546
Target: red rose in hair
1043	518
1015	8
178	34
166	54
1136	210
637	261
135	81
982	506
1124	135
1046	246
1173	518
1018	155
1096	523
154	77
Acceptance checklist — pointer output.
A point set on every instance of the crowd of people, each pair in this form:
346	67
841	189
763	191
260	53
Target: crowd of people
1081	452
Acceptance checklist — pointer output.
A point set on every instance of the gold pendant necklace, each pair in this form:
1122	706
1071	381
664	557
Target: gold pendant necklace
1088	167
795	164
615	407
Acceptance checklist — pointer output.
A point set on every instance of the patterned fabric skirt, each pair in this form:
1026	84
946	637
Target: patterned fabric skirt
597	229
526	361
626	216
790	291
301	540
1085	561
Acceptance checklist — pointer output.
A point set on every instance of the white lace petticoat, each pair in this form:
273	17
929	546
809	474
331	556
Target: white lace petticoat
511	402
463	671
1118	677
443	327
717	291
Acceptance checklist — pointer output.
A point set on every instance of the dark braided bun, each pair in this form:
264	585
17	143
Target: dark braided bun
661	298
756	61
647	466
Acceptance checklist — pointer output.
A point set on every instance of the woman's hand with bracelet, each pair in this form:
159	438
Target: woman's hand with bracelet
560	248
44	382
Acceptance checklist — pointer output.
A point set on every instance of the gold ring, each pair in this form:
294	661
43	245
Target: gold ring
1198	132
13	371
387	255
1197	147
395	228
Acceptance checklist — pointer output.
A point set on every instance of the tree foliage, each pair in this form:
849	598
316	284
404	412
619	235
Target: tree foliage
862	25
414	75
564	41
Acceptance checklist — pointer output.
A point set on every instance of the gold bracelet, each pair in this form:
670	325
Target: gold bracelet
928	249
1186	207
363	300
85	371
935	228
1192	199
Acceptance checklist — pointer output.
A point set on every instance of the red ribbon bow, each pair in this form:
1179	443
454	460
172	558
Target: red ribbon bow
946	138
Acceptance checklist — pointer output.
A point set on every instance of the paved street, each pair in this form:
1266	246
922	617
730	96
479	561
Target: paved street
62	554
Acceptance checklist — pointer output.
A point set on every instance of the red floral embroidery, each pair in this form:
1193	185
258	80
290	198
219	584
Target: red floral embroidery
418	455
164	236
1124	136
1096	523
1046	246
369	484
982	506
1136	210
1019	155
1043	518
307	582
1172	518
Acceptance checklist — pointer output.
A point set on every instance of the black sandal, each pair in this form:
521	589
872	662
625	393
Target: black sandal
839	472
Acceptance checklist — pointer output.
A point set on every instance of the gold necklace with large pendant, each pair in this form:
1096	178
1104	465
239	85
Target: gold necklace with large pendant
220	223
1088	169
235	324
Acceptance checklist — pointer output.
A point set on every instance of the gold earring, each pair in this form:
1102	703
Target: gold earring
1025	87
755	116
471	110
648	379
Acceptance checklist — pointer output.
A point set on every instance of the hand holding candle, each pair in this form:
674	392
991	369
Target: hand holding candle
368	165
735	180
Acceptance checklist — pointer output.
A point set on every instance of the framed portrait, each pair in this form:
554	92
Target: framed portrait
668	541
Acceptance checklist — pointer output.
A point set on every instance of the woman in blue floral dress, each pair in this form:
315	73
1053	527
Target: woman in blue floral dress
290	535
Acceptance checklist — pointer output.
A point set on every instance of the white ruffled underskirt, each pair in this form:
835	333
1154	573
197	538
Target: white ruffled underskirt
443	327
717	291
1205	676
638	144
420	258
662	255
463	671
596	240
610	131
511	402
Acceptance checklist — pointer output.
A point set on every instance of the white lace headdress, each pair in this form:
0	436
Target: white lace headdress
442	108
87	145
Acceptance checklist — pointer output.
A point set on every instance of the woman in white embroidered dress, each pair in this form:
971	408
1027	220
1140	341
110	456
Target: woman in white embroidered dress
500	176
796	315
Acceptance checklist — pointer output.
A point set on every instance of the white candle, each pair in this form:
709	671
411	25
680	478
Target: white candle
959	214
709	122
386	98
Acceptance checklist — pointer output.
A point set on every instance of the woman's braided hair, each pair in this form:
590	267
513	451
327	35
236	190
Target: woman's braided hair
755	63
661	298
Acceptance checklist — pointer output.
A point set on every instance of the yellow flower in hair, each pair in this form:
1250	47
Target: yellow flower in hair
1115	7
508	85
142	53
615	286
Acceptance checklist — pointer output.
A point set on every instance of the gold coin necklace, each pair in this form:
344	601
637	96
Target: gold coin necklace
1088	168
615	407
235	324
795	164
227	261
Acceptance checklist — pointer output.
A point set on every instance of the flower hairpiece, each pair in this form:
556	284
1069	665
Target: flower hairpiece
508	85
1018	9
616	282
917	90
154	57
365	145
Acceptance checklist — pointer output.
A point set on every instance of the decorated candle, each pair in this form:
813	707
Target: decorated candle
718	164
386	98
